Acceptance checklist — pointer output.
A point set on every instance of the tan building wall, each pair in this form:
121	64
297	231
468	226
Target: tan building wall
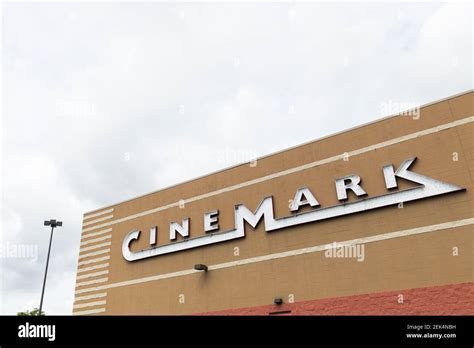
419	254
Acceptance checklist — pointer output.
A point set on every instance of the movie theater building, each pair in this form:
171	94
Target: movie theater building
377	219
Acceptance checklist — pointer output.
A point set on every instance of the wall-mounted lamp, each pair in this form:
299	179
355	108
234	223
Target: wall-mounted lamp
278	301
200	267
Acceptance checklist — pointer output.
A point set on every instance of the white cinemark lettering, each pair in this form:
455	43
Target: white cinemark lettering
428	187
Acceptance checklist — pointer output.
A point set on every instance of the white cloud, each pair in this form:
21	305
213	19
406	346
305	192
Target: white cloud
103	102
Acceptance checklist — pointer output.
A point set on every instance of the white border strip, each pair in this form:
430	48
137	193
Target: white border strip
92	311
105	251
90	297
363	240
90	241
91	275
89	216
97	246
98	233
85	269
293	170
89	304
97	220
95	281
93	260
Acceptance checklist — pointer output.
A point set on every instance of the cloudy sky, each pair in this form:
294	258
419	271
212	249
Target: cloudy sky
102	102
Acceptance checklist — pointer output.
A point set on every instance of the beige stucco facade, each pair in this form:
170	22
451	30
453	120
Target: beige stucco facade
405	246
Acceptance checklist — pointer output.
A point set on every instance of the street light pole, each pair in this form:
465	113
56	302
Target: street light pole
53	224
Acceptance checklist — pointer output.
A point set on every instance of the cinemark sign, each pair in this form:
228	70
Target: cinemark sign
428	187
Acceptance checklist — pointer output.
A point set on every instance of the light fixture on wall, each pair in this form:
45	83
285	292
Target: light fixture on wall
278	301
200	267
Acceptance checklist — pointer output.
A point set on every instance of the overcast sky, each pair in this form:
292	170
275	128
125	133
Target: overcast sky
102	102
